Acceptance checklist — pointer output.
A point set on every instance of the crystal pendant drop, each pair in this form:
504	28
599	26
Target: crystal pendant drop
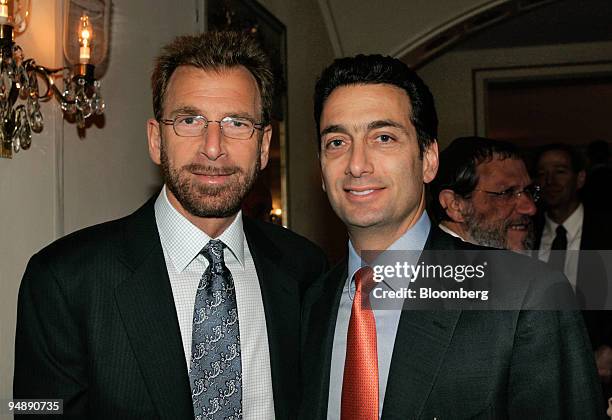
7	83
68	104
97	100
82	101
34	115
23	82
80	120
3	90
24	133
25	136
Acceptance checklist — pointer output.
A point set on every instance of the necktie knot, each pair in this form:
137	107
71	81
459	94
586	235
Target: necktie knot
560	230
364	280
560	240
213	252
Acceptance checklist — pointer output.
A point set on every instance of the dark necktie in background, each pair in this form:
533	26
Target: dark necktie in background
558	249
360	382
216	374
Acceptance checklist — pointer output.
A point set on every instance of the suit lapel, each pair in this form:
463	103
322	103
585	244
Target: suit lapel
591	280
146	306
280	294
320	313
421	343
420	346
591	230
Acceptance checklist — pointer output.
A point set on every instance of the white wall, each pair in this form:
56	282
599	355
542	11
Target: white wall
64	183
28	190
450	77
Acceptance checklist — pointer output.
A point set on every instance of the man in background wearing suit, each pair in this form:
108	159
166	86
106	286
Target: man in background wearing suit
568	225
378	128
483	194
184	307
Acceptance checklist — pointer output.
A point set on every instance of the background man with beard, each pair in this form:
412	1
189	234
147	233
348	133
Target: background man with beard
483	194
184	307
377	146
568	225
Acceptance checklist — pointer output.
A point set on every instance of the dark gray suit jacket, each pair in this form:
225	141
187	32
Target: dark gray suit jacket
465	364
97	325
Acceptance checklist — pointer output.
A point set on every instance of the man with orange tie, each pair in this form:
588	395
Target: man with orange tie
377	145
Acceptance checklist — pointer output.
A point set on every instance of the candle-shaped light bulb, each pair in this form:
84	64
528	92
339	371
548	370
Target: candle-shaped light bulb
4	12
85	36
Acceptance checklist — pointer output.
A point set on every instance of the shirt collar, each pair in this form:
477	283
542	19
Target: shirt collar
451	232
412	240
183	241
572	224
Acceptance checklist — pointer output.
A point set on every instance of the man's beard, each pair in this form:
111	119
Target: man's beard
494	234
203	200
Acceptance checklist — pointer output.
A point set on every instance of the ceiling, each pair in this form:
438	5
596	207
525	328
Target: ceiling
398	27
388	26
561	22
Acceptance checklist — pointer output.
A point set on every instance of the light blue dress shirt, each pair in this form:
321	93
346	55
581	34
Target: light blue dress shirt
387	320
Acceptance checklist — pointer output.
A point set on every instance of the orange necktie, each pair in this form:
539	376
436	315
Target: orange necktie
360	383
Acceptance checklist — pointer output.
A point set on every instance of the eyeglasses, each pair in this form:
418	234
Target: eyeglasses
196	125
532	191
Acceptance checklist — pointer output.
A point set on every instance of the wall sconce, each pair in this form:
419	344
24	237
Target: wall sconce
85	40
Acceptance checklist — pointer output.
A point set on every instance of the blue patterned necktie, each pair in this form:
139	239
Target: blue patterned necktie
216	374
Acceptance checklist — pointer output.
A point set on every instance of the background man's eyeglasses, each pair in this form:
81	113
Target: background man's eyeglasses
195	125
532	191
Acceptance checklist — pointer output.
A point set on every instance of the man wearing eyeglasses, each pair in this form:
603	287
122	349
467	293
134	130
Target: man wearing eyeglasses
185	307
483	194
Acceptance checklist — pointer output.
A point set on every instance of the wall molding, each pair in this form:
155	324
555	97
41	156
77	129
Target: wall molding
332	28
424	46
